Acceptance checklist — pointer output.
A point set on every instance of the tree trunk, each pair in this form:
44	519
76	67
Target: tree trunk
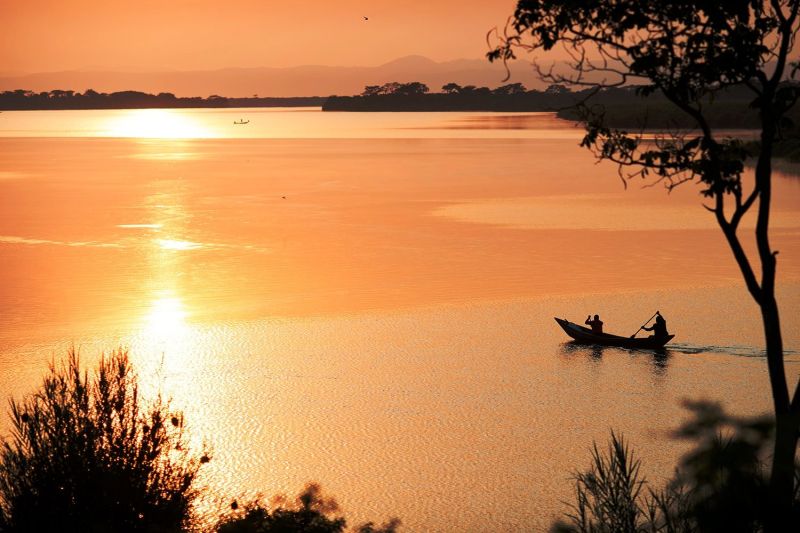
781	482
787	424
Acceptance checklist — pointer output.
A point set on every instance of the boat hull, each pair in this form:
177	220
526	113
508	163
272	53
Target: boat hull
587	336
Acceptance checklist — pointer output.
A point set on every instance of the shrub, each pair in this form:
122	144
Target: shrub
309	513
86	455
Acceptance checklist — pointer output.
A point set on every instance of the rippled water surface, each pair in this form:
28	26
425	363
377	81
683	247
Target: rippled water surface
367	300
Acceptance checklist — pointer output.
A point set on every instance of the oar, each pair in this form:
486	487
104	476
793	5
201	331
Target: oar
643	325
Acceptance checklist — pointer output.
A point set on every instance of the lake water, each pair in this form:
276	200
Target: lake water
366	299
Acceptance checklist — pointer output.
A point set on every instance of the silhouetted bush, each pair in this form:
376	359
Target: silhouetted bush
309	513
86	455
720	486
390	526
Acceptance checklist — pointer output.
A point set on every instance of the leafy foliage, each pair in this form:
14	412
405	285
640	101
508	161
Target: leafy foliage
396	88
511	88
685	50
85	456
310	512
725	471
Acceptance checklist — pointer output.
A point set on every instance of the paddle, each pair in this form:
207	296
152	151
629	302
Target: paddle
643	325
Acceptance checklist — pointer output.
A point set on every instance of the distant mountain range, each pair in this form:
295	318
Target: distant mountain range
311	80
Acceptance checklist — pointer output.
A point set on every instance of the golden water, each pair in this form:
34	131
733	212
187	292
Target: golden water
366	300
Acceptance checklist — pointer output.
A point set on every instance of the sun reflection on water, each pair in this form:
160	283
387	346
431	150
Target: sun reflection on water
173	244
166	320
157	124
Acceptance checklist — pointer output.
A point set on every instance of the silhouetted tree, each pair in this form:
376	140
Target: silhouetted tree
511	88
58	93
726	484
557	88
390	88
688	51
311	512
390	526
411	88
85	455
394	87
371	90
451	88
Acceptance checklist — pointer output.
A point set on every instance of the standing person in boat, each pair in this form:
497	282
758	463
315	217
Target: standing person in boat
659	328
596	324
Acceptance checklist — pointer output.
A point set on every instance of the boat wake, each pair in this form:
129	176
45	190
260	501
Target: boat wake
739	351
792	356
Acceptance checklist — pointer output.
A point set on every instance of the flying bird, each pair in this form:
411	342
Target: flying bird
366	18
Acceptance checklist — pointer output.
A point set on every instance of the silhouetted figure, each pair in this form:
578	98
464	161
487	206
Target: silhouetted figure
596	324
659	328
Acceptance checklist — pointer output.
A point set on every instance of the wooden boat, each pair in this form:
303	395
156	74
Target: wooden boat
587	336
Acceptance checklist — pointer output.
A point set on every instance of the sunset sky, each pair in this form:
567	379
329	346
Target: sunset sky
55	35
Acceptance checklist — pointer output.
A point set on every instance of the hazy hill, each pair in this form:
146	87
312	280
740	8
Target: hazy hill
310	80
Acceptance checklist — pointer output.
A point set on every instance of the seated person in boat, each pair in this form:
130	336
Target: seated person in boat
659	328
596	324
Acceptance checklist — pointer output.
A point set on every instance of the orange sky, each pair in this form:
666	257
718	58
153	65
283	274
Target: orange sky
53	35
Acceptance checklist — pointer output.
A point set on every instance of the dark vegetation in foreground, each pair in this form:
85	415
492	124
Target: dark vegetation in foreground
88	455
22	99
721	485
310	512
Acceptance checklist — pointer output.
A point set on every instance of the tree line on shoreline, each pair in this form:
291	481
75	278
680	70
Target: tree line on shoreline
399	96
624	106
21	99
416	96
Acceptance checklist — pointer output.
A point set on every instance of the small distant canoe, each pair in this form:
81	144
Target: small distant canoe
242	122
586	336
